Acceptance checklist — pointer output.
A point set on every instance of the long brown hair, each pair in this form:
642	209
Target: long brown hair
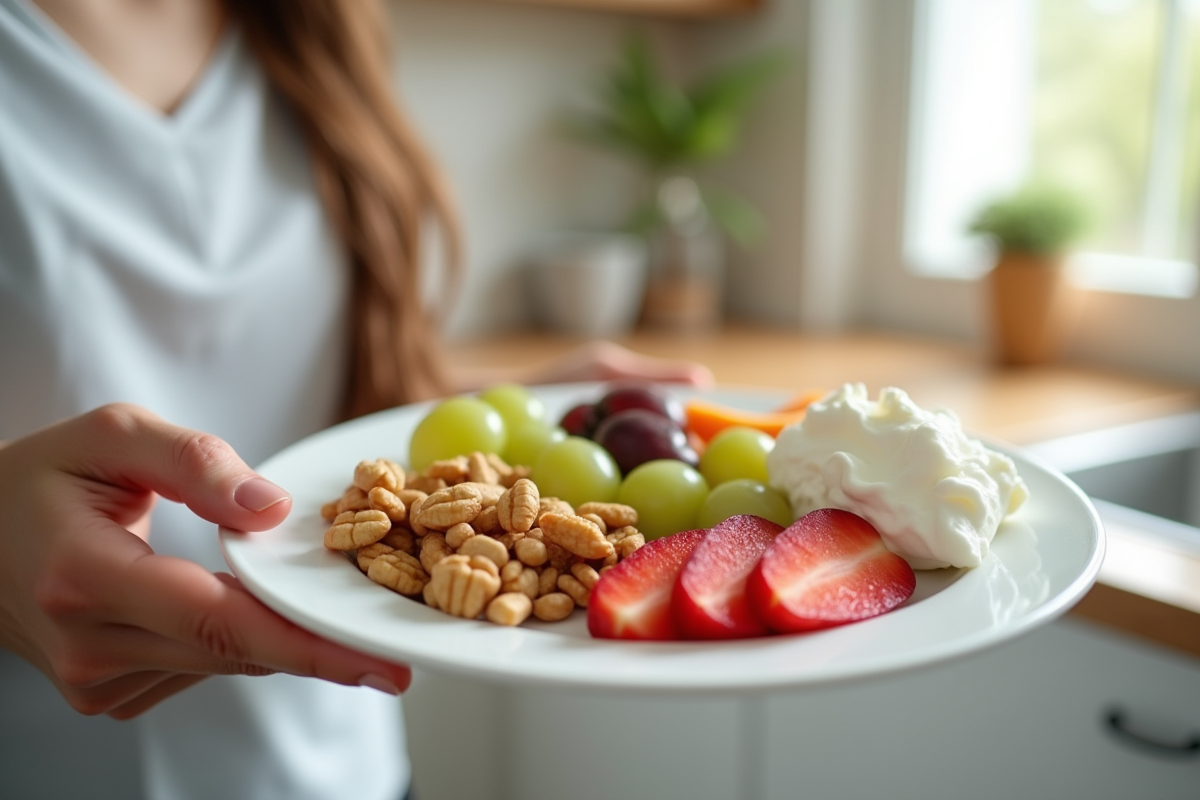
330	59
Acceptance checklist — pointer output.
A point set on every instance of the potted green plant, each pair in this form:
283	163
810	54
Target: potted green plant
1033	230
670	130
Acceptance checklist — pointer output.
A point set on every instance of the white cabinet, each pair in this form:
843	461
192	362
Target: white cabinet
472	742
1022	720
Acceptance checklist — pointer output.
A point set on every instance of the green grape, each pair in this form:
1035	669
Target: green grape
455	427
577	470
527	440
667	494
736	452
744	496
515	403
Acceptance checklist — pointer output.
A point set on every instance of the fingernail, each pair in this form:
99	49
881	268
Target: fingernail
379	684
258	494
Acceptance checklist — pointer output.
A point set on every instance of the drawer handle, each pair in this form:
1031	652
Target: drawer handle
1115	719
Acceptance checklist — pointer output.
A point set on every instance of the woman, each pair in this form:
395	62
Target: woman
211	222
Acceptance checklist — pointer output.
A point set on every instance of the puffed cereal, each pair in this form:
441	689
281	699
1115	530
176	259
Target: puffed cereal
473	537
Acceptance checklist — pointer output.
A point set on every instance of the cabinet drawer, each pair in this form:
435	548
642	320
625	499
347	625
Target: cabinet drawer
1027	719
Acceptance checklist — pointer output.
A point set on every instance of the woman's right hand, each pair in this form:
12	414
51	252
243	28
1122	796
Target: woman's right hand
83	596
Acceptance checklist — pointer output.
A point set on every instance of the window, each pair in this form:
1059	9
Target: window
1102	96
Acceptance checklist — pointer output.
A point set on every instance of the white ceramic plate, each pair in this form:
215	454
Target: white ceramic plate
1044	558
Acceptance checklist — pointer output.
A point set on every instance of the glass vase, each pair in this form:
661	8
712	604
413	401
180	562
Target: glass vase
686	262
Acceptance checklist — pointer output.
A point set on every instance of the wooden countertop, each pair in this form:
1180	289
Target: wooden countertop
1145	589
1015	405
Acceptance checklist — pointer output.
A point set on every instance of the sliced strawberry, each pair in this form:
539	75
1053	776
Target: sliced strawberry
829	568
709	601
633	599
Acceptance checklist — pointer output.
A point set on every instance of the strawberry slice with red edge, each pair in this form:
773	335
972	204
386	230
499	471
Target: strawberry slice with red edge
709	600
828	568
633	599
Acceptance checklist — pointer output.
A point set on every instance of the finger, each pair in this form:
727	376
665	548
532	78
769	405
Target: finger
104	697
128	446
606	361
154	695
108	652
140	527
182	601
624	363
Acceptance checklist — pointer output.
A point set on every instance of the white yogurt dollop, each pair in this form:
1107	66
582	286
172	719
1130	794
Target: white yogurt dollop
935	495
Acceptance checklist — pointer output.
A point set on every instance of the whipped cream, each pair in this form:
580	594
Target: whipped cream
935	495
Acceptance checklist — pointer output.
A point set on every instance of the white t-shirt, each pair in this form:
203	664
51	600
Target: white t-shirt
184	263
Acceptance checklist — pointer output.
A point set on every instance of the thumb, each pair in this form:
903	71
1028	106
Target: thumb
128	446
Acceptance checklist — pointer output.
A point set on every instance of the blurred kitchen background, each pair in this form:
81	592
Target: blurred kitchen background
888	126
881	132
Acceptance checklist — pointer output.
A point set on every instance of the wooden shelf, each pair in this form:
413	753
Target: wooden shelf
682	9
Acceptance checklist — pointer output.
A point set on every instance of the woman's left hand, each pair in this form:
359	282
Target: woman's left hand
606	361
598	361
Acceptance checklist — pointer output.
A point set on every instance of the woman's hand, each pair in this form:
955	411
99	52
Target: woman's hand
594	361
83	596
606	361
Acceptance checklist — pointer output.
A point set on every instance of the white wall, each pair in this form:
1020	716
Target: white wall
487	84
768	169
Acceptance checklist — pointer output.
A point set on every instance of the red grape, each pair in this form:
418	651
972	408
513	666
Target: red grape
626	396
580	420
638	435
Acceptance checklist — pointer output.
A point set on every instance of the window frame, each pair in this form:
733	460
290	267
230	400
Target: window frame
1140	333
1154	270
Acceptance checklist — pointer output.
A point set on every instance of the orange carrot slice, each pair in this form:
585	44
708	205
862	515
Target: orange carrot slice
802	400
706	418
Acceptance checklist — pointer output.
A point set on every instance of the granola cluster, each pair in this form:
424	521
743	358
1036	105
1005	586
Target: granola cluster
472	536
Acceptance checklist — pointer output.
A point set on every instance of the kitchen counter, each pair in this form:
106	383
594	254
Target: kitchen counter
1147	589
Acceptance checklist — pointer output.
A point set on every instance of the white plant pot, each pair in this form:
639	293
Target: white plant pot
589	284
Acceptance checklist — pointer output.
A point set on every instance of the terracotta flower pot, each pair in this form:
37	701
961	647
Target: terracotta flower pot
1031	307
